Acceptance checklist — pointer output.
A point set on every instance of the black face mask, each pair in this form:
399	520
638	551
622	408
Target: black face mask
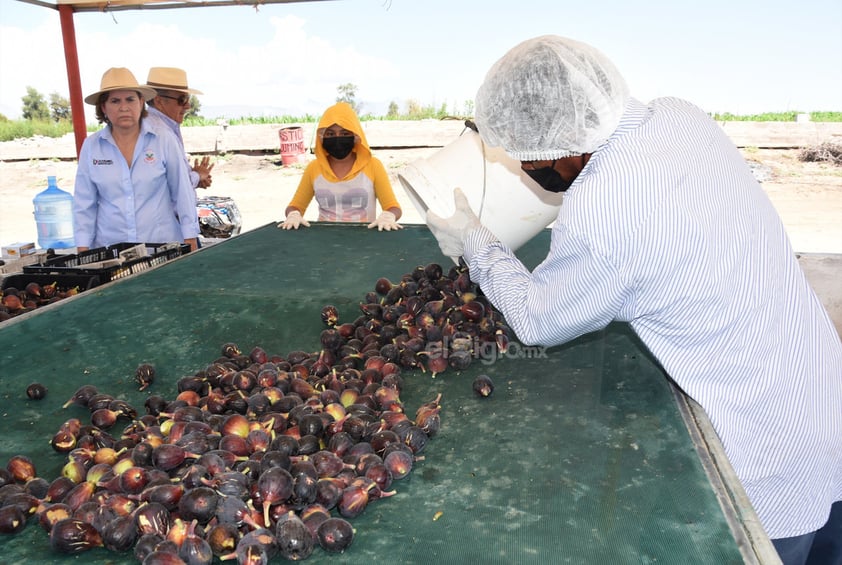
340	146
549	179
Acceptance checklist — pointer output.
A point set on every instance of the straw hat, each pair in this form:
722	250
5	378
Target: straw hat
169	78
120	78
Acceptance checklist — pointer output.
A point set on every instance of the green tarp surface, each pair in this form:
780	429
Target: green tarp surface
579	456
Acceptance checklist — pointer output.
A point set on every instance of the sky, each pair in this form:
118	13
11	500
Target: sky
737	56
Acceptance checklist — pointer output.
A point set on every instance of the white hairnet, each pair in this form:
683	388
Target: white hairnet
550	97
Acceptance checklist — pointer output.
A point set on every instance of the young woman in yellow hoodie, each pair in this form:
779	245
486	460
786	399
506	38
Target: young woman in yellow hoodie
346	179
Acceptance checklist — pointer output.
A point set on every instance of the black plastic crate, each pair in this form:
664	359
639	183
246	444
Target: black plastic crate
30	302
63	282
75	259
156	252
81	263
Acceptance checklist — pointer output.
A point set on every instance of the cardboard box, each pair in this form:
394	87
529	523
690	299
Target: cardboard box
134	252
10	266
18	250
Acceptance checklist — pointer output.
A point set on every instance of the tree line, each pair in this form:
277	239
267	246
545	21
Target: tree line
36	108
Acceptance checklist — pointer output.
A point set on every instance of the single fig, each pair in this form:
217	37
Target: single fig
294	540
74	536
12	519
330	315
36	391
144	375
483	386
21	468
335	535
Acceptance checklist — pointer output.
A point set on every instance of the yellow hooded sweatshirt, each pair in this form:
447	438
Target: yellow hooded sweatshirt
351	198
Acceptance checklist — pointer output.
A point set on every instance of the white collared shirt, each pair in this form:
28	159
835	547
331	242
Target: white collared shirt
666	228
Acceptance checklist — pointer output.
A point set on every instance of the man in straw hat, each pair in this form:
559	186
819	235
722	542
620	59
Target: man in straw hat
132	182
169	108
664	226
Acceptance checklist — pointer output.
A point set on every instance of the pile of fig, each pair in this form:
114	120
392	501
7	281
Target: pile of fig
258	455
14	301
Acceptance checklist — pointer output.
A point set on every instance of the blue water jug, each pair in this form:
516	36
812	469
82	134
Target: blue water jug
54	217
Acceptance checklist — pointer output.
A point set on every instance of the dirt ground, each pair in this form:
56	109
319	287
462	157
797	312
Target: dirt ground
808	196
260	186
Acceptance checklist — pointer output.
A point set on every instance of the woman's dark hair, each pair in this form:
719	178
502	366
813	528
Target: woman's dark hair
100	115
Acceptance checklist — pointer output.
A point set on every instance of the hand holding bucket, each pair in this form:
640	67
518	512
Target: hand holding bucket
451	232
506	201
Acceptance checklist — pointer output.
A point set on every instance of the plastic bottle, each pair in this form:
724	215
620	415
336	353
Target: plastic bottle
54	217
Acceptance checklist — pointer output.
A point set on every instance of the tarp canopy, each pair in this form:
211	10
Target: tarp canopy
66	9
116	5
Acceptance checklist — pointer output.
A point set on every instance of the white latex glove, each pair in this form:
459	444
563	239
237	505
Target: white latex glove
385	221
451	232
294	220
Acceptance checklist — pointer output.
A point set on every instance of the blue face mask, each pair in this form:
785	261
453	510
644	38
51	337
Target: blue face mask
549	179
340	146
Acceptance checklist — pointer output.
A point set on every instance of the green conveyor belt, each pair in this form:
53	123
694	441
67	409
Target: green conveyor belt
580	456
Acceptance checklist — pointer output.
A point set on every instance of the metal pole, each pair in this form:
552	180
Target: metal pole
74	83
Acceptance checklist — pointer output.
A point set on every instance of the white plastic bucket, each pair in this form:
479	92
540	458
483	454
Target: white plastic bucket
507	201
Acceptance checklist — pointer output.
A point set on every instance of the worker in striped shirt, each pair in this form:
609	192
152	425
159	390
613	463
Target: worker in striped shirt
664	226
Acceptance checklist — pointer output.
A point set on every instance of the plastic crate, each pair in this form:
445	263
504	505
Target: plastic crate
113	262
161	253
63	282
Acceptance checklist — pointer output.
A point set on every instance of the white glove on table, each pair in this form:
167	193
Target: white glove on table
451	232
294	220
385	221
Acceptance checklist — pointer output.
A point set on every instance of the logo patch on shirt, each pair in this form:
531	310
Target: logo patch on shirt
103	162
149	157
